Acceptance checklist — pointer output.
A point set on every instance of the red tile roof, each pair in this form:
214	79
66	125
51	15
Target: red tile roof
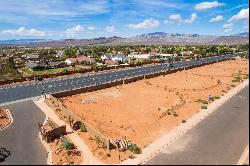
80	59
110	62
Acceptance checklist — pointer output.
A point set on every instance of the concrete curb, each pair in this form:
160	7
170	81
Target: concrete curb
162	143
19	101
244	156
49	151
11	120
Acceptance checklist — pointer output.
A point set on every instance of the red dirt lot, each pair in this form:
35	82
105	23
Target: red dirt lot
147	109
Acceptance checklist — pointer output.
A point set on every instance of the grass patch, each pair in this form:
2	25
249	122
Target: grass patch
9	73
30	72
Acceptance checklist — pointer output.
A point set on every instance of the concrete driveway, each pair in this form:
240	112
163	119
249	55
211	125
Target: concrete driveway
21	137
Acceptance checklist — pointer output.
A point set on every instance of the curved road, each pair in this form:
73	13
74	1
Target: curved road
21	137
61	84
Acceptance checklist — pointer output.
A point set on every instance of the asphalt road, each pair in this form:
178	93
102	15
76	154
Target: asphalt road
21	137
8	94
219	139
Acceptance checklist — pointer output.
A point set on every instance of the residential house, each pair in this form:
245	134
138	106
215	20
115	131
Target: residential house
34	56
81	59
106	57
166	56
60	54
115	57
110	62
141	56
120	57
34	65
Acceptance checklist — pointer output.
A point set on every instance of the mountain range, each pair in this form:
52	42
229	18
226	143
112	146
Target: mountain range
156	38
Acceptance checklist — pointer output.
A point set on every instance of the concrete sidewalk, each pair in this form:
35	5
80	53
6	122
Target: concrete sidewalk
88	157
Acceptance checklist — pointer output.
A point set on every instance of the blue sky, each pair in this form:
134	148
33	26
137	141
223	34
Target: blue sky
60	19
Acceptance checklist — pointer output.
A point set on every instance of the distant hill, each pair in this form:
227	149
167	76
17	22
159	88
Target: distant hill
161	38
243	34
22	41
156	38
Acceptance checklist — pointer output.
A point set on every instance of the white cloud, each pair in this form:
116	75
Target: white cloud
110	29
228	30
246	28
175	17
192	18
228	27
217	19
22	31
243	15
147	24
71	32
91	28
207	5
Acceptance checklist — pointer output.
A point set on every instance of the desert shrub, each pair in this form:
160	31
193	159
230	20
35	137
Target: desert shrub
234	80
203	101
232	85
224	91
83	128
52	124
175	114
237	78
203	107
135	149
81	70
97	139
211	98
67	145
246	76
169	113
39	78
183	121
217	97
